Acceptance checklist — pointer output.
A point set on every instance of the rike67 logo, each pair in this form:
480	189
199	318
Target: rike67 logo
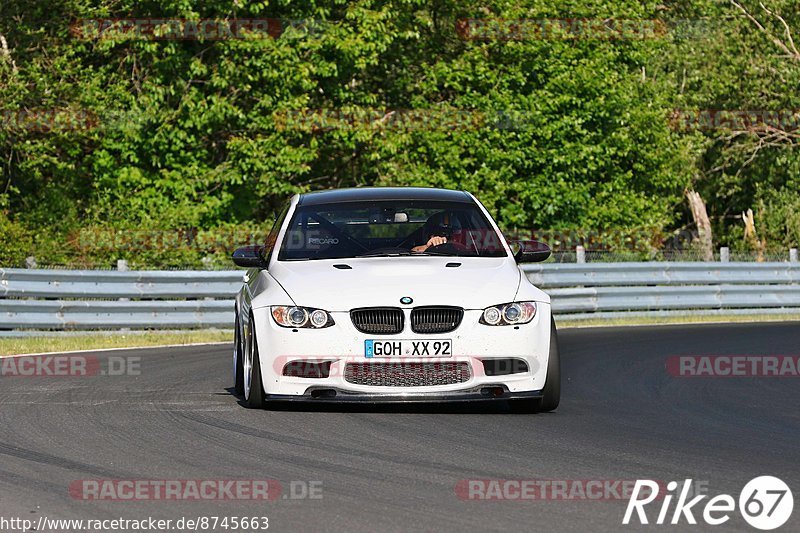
765	503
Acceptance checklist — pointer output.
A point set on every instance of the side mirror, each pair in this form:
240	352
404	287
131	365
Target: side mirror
531	252
249	257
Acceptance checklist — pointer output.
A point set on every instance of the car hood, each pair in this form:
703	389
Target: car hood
381	281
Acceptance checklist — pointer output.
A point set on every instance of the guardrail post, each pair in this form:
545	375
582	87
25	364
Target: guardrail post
122	266
580	254
793	255
725	255
30	262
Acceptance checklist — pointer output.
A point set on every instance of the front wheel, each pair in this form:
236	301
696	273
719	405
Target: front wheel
253	388
238	378
551	395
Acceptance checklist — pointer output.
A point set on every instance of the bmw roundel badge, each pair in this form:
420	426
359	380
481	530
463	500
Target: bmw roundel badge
405	300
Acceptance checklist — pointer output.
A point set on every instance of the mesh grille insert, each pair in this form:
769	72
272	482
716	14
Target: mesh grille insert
406	374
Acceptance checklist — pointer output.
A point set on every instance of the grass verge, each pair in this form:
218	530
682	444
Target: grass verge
92	341
685	319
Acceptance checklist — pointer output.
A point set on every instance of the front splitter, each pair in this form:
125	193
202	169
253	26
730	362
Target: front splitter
335	395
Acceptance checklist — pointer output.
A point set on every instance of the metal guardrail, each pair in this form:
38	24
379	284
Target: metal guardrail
155	284
86	299
614	287
101	299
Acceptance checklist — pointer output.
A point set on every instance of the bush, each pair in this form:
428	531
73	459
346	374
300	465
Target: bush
16	242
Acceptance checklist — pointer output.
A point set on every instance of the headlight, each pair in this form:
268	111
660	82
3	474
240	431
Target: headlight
510	314
301	317
319	318
492	316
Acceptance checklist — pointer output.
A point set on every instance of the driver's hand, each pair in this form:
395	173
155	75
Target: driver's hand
433	241
436	241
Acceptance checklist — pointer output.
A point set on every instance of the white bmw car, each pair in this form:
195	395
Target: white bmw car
392	295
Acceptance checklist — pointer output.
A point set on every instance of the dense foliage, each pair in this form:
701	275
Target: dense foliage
167	151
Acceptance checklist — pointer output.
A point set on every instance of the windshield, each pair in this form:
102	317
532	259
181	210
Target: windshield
389	228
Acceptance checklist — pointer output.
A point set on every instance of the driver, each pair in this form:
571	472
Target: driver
435	231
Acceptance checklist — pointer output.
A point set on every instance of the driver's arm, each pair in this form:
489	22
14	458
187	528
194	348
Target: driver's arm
433	241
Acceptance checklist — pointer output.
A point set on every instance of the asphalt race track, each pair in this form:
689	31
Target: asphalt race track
622	417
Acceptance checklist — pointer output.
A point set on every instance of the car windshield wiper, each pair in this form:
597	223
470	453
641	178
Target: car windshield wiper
385	254
404	253
440	254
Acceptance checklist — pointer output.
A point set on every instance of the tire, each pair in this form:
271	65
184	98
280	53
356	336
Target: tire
239	366
253	387
551	394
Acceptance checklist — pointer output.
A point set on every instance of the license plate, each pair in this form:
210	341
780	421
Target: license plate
408	348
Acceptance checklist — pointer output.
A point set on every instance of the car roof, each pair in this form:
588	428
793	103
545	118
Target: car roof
361	194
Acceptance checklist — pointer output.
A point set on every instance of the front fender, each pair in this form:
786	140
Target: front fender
528	292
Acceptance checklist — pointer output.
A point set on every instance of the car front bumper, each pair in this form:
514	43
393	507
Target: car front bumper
342	343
